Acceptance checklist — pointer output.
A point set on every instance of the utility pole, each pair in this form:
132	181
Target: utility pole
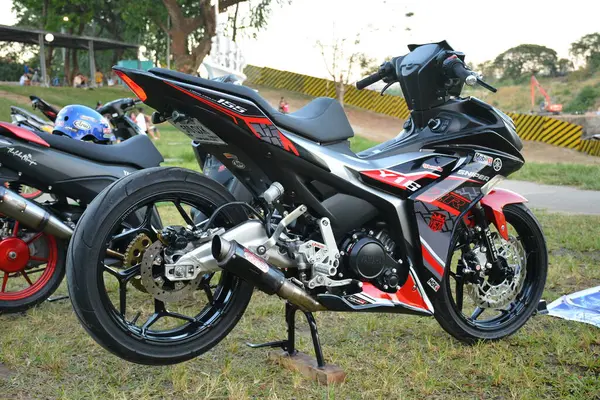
168	42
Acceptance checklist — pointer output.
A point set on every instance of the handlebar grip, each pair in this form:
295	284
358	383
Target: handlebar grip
369	80
460	71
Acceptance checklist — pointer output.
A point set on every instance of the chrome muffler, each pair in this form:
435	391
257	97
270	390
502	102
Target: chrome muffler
235	258
32	215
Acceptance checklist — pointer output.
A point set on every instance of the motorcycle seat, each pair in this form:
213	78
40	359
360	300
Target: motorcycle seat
322	120
139	151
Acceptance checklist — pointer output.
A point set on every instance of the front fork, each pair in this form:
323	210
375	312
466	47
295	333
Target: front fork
486	234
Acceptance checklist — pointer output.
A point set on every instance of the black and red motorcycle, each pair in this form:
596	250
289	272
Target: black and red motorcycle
414	225
34	234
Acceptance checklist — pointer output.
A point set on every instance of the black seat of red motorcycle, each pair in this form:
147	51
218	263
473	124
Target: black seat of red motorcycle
139	151
322	120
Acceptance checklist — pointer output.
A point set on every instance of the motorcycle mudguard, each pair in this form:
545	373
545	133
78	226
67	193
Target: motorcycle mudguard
21	133
493	204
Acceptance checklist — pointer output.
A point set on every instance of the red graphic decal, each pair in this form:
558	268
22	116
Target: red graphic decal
427	256
432	167
287	144
407	294
437	221
400	180
261	127
256	261
24	134
454	201
469	219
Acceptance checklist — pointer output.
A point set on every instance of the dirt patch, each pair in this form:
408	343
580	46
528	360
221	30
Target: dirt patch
594	254
5	372
17	98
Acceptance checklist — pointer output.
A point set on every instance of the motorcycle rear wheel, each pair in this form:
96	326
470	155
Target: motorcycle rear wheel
110	323
471	323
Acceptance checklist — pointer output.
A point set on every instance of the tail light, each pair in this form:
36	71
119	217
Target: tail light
139	92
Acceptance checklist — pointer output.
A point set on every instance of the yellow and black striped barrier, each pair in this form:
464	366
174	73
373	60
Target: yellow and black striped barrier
590	146
529	127
394	106
548	130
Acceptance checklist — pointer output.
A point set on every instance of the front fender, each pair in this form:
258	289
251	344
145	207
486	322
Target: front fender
493	204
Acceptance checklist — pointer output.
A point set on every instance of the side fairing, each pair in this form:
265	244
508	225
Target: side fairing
439	208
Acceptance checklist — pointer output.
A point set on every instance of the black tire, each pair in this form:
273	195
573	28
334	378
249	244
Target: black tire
15	306
519	216
85	286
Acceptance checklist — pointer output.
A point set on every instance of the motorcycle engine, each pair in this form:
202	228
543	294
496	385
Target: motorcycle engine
368	257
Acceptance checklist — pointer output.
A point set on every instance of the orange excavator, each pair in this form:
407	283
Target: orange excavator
546	106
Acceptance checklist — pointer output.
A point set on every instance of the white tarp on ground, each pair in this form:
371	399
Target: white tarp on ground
583	306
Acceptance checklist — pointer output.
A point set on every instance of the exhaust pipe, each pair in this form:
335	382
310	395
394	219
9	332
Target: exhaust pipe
32	215
235	258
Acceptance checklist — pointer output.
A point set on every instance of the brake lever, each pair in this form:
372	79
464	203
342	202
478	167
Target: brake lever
487	86
386	88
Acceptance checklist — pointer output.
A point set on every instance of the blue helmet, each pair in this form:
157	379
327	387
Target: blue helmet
82	123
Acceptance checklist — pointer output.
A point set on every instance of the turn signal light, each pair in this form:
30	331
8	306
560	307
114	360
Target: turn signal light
139	92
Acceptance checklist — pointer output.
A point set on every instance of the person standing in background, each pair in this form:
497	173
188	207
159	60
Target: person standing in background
99	78
284	106
36	77
152	129
140	120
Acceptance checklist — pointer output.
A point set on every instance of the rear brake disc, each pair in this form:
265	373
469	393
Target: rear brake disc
155	282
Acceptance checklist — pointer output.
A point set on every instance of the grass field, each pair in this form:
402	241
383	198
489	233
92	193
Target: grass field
46	354
578	175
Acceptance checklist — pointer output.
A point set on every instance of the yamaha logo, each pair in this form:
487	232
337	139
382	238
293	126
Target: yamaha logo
497	164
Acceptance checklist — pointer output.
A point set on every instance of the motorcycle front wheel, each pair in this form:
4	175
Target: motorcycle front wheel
127	305
493	308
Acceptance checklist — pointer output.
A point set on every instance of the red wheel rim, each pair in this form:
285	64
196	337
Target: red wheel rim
38	284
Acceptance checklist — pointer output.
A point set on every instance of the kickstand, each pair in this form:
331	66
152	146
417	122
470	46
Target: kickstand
289	345
57	298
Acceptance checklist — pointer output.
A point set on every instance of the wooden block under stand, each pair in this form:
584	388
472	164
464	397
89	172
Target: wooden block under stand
307	366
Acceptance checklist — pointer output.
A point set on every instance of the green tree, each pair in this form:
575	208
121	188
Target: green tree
588	49
341	58
526	59
193	24
192	27
488	69
564	66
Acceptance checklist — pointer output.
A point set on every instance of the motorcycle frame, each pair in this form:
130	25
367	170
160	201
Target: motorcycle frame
392	177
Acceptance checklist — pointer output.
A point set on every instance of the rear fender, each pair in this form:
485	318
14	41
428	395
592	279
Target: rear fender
493	203
22	133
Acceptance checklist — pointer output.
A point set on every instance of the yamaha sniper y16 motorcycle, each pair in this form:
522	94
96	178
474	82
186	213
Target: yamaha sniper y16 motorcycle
414	225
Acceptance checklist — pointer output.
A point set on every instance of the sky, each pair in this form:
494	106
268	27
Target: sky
481	29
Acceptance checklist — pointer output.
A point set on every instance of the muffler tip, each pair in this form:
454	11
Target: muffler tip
220	248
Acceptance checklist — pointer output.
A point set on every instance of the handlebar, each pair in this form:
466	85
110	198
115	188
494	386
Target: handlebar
369	80
118	106
455	68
